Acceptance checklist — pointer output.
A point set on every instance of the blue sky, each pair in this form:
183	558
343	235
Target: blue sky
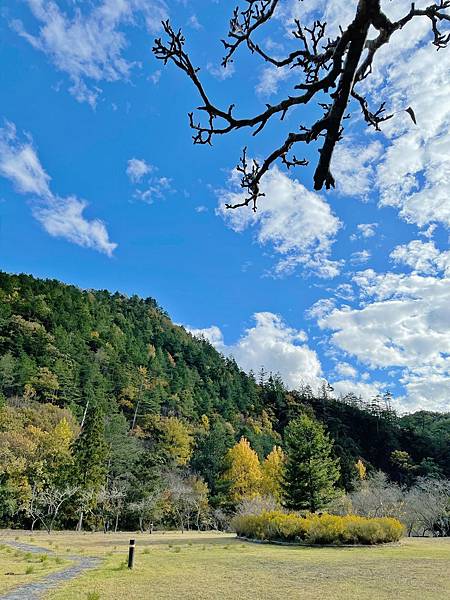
101	187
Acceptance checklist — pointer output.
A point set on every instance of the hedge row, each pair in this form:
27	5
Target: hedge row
317	529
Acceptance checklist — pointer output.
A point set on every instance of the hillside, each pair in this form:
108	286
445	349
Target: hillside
167	396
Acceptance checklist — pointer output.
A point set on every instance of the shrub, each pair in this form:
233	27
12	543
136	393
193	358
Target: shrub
317	529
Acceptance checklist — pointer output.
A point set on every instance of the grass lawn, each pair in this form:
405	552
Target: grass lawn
18	567
204	566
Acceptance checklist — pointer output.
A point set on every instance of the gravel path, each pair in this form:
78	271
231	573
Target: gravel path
35	590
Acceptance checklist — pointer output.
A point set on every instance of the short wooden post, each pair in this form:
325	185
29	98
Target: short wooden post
131	554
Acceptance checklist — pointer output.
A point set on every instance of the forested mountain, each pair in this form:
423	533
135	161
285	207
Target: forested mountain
138	396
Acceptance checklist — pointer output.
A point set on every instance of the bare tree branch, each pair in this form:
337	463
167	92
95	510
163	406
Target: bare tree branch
328	67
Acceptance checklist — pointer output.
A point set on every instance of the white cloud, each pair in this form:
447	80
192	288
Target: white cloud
155	77
334	12
61	217
270	79
429	231
358	258
89	44
273	345
155	186
213	334
297	223
345	369
194	22
320	308
344	291
219	72
20	164
367	391
412	174
422	257
353	167
367	230
403	323
137	168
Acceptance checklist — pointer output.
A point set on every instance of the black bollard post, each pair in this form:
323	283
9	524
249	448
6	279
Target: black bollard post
131	554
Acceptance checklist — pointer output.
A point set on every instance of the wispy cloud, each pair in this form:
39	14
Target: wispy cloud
219	72
151	185
60	217
358	258
89	43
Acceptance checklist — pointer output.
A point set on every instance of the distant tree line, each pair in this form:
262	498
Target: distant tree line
113	417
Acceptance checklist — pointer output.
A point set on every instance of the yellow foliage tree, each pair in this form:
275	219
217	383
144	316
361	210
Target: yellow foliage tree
178	439
244	471
360	469
272	473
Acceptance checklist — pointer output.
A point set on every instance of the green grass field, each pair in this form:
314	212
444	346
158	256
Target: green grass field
210	565
18	567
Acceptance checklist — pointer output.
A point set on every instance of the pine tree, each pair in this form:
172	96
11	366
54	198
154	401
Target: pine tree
7	374
244	471
311	470
91	450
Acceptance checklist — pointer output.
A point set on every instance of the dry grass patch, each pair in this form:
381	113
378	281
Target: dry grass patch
210	566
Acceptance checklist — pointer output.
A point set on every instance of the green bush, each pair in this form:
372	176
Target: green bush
317	529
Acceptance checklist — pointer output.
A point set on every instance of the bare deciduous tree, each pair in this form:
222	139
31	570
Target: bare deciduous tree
188	499
44	504
147	509
111	501
376	496
427	508
331	71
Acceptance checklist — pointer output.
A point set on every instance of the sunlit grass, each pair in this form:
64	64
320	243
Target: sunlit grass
206	566
18	567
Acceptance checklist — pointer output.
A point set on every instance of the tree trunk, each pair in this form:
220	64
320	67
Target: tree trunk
135	414
80	522
84	414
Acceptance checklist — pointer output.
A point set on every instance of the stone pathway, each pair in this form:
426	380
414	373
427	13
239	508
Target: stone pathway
35	590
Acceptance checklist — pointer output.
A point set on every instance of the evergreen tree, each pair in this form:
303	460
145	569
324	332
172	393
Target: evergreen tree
91	450
311	470
212	443
7	374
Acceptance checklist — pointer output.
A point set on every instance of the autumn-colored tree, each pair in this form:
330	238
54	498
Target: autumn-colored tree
272	474
361	469
35	451
45	385
169	438
243	472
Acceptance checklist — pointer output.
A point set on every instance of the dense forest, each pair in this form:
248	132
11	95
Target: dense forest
104	401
